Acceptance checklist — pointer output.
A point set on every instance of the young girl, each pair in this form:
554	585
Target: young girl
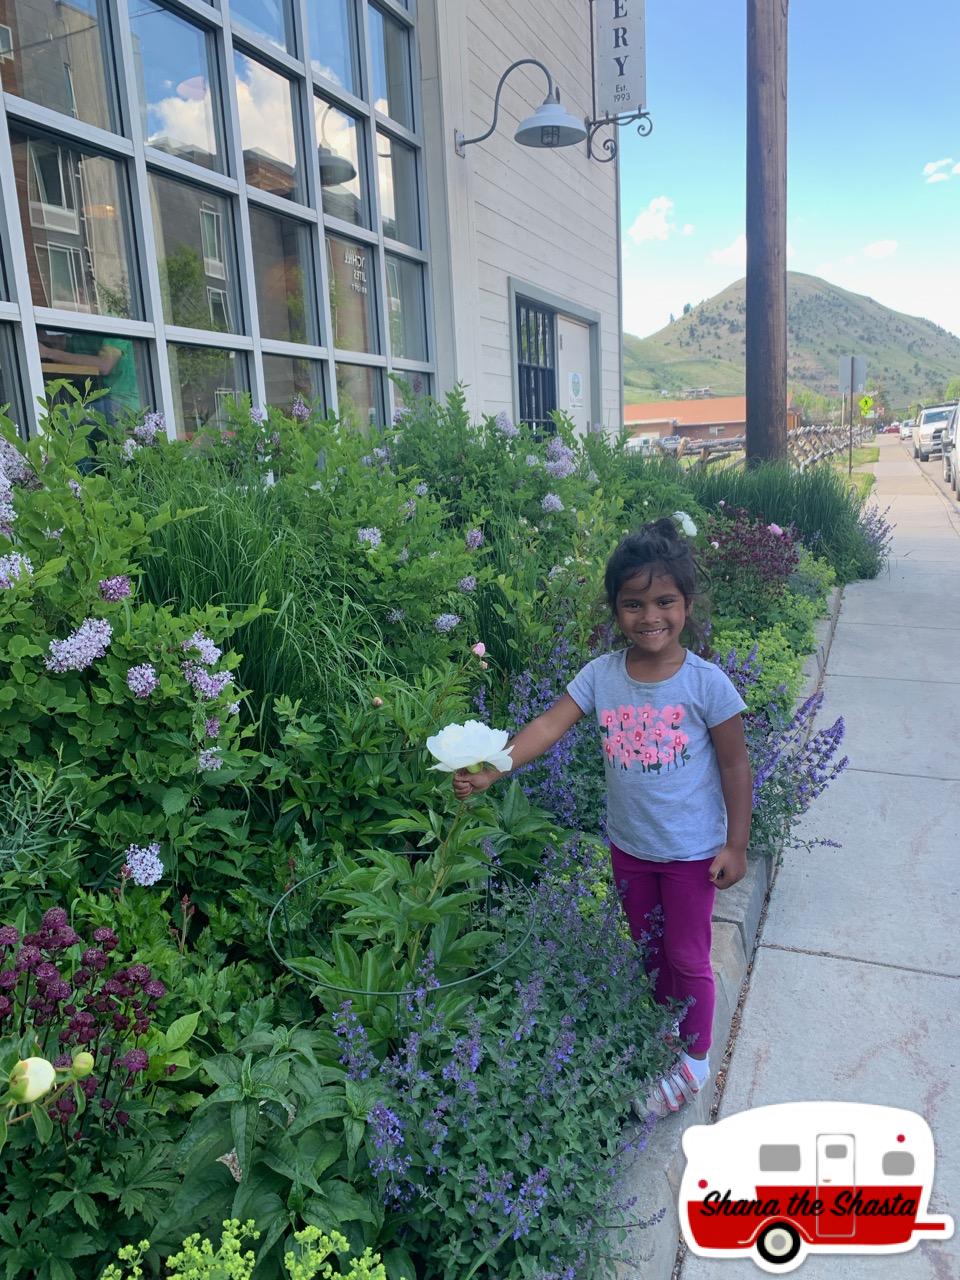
679	789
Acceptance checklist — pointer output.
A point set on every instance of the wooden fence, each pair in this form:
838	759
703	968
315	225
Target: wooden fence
807	445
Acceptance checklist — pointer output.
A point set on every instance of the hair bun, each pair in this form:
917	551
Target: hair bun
665	527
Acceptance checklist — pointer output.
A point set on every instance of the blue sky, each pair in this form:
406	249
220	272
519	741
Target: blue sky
873	116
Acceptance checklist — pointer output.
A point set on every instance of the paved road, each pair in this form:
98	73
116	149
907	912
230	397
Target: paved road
855	993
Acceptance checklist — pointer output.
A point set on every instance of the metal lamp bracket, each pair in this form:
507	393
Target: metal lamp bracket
610	146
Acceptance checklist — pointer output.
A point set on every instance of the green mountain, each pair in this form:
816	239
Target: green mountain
908	358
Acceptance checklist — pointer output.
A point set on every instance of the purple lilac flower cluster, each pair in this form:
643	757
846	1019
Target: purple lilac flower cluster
551	502
114	589
446	622
371	537
561	459
505	427
153	425
422	489
72	997
142	680
208	684
467	584
82	648
474	539
395	616
299	410
209	760
208	651
143	865
14	568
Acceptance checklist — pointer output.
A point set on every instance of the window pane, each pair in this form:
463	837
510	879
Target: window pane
74	214
265	101
287	377
116	366
174	65
281	251
339	141
392	80
406	309
10	381
204	380
399	206
333	42
268	18
53	53
360	392
198	272
352	295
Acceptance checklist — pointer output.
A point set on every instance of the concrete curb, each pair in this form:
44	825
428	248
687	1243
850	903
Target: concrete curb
650	1248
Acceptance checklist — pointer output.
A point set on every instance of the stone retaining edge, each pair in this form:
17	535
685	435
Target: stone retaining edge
654	1178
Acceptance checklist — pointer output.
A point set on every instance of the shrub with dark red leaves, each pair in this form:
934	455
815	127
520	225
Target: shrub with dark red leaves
747	563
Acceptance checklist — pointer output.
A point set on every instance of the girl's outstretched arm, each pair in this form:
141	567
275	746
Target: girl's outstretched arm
730	744
533	740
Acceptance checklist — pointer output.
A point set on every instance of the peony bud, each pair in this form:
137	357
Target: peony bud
479	649
31	1078
82	1065
378	702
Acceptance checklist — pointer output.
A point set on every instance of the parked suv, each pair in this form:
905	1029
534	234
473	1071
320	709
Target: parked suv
950	445
906	429
929	429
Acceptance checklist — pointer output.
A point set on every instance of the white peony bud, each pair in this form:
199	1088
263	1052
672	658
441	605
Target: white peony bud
685	523
31	1078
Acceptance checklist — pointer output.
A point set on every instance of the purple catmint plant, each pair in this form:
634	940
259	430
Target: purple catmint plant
209	761
877	530
114	589
14	568
355	1055
142	680
67	999
82	648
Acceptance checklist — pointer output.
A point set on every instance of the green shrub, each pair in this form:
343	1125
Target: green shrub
781	668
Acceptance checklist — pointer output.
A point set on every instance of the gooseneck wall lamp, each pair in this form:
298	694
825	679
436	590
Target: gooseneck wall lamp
549	126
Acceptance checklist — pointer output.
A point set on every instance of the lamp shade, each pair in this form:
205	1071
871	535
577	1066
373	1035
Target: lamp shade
550	126
334	169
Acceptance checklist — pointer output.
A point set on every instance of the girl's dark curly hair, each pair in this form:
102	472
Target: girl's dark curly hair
657	548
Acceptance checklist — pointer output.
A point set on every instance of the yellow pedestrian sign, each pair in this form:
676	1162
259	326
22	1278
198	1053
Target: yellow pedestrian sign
866	404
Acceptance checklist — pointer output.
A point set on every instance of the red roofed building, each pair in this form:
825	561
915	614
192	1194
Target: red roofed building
716	418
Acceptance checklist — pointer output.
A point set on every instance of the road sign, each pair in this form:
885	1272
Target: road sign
866	403
858	366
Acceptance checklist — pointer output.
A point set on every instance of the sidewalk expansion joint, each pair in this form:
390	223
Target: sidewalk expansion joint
877	964
856	675
889	773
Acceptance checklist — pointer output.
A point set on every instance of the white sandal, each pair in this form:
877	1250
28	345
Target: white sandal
671	1091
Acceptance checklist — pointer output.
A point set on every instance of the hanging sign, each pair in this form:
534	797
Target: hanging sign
620	61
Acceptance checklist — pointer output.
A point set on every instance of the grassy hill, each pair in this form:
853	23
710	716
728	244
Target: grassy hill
913	358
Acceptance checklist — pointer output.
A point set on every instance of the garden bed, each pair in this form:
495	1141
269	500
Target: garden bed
219	666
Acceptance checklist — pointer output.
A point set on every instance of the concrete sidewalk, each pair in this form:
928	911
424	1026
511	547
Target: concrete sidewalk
855	992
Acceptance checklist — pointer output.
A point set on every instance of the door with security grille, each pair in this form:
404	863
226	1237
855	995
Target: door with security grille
537	364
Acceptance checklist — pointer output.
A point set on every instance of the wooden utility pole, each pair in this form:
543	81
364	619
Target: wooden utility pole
766	324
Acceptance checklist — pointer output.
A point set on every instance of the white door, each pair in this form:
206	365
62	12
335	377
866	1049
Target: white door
574	390
835	1168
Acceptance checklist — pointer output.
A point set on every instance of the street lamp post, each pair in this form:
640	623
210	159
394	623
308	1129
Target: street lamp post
550	126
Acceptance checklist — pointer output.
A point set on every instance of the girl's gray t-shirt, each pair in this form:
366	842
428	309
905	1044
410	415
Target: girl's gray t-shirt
664	798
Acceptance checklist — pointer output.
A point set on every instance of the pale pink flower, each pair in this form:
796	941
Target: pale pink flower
776	530
626	758
479	649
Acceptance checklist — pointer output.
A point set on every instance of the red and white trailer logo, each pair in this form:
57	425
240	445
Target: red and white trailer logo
781	1182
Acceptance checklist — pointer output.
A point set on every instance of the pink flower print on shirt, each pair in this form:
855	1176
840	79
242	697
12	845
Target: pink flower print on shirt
678	741
649	756
666	757
617	739
610	749
627	716
626	757
608	719
646	713
638	737
659	731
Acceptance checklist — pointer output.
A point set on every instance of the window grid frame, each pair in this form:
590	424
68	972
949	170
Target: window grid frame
136	161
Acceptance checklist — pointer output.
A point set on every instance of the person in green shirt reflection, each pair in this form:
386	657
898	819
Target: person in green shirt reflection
113	360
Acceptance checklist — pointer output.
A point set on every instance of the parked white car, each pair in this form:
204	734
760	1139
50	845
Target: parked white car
906	428
950	445
929	429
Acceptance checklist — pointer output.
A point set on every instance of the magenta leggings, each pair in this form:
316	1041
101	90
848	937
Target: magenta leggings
669	906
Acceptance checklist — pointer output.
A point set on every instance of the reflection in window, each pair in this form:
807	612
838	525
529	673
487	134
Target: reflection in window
360	394
281	251
204	380
52	53
116	367
73	210
351	273
399	206
10	401
265	102
333	42
198	277
405	309
339	141
174	71
287	377
392	78
268	18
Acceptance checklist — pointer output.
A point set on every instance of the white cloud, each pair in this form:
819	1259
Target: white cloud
955	169
933	165
655	222
688	229
939	177
880	249
734	255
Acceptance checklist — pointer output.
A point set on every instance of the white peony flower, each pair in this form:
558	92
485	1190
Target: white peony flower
468	746
31	1078
685	523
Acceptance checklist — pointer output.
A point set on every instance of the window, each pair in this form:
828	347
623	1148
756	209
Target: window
267	18
265	103
399	204
204	381
341	167
392	90
783	1158
360	393
898	1164
333	42
284	275
407	310
75	226
286	377
352	300
117	368
219	305
536	364
195	252
53	54
174	64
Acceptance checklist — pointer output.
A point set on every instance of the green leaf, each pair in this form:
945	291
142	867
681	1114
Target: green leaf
174	800
3	1131
244	1117
42	1122
347	1204
180	1031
